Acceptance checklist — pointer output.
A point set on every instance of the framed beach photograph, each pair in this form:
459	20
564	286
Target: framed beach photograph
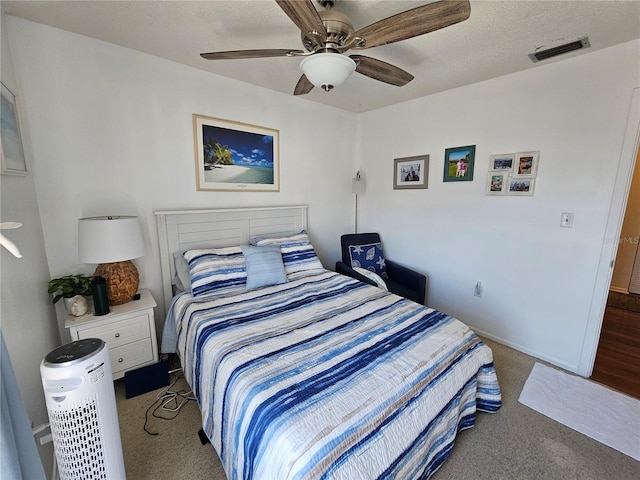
501	163
235	156
411	172
497	183
521	186
526	164
458	164
11	150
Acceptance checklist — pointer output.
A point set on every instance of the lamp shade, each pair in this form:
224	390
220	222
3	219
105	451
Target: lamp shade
357	186
109	239
327	70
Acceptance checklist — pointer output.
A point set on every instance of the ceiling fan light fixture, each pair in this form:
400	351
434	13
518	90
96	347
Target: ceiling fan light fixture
327	70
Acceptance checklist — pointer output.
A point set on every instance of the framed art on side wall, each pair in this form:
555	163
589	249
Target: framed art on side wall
513	174
501	163
526	164
11	150
497	183
458	164
411	172
521	186
235	156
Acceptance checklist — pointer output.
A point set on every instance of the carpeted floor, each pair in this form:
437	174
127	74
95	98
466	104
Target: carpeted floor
517	443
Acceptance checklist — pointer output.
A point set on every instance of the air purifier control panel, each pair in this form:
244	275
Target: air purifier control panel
97	372
73	352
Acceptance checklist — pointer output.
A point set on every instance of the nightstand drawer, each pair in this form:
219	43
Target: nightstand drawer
131	355
128	329
119	333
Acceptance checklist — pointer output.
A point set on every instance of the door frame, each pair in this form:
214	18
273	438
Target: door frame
620	195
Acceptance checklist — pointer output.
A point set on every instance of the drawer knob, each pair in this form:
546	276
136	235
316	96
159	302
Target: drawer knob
117	335
120	360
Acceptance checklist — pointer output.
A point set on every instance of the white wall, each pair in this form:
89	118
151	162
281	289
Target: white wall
26	315
538	278
112	134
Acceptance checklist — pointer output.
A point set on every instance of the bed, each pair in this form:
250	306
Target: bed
316	375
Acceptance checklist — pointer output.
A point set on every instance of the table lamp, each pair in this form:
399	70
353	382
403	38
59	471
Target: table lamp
112	241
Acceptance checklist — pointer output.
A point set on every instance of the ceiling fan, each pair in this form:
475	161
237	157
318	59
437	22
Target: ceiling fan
328	34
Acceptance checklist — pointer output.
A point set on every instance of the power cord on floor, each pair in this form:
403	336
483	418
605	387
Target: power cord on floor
168	400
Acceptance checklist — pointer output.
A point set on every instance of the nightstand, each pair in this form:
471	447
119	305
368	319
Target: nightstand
129	331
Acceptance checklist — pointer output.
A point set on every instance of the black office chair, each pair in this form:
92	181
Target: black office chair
399	280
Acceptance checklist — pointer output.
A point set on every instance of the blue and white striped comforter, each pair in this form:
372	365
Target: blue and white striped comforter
326	377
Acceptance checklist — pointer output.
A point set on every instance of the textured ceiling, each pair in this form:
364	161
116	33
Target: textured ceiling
494	41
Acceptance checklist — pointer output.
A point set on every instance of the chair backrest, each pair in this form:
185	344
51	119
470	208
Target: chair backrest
355	239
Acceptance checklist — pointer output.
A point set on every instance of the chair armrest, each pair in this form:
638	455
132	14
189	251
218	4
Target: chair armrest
345	269
407	277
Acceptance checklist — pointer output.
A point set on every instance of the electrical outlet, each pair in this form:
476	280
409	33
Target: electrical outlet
566	220
478	290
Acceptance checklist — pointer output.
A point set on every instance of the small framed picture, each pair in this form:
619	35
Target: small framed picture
11	151
521	186
458	164
497	183
501	163
526	164
411	172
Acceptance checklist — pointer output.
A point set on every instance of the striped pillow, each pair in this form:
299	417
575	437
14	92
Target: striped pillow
298	254
216	269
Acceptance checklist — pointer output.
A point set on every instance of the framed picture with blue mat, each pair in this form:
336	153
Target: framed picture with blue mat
458	164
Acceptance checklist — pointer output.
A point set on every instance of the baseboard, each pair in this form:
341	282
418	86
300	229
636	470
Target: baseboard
527	351
619	290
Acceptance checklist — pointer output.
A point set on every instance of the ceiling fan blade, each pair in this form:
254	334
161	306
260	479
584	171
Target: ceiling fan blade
9	225
260	53
303	86
382	71
414	22
304	15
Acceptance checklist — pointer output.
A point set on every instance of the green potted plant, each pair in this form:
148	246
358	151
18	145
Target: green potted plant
69	286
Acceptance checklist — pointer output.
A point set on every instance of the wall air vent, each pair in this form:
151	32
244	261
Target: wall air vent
559	50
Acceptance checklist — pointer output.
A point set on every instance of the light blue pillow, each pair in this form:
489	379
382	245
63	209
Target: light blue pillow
182	278
298	255
264	266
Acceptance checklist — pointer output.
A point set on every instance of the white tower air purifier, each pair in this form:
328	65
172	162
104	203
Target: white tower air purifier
82	411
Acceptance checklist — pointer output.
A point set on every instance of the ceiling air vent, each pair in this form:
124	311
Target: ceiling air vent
560	49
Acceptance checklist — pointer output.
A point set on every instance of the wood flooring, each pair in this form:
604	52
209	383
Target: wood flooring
617	362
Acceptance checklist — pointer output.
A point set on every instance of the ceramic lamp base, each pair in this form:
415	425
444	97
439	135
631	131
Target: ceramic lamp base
122	281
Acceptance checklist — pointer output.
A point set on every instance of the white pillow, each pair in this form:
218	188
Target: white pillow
372	276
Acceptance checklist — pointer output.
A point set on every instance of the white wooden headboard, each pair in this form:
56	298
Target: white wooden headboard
180	230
